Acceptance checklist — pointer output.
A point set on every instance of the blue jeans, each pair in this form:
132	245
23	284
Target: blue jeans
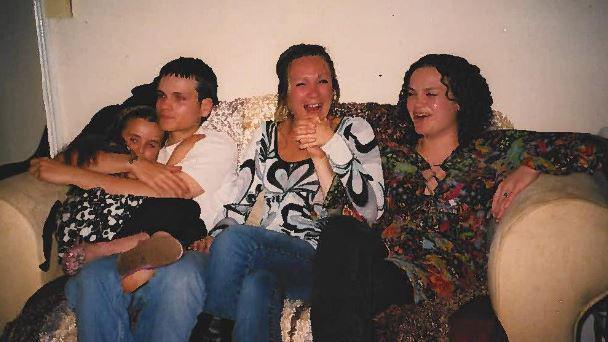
251	270
168	304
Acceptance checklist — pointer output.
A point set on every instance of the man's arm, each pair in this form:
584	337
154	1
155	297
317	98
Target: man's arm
208	162
157	176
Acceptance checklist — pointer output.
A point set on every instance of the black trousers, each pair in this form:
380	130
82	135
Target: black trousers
176	216
353	282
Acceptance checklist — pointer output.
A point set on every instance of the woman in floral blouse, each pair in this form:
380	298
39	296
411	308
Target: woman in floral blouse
294	161
446	176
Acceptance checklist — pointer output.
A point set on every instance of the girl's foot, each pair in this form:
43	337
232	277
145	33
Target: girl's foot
135	280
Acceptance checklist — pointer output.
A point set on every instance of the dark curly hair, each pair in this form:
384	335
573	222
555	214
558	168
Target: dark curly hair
292	53
468	87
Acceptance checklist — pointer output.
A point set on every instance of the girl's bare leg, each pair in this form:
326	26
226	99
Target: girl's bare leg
100	249
80	254
135	280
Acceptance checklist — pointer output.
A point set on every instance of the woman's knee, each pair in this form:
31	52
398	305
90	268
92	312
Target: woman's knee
343	231
259	283
233	238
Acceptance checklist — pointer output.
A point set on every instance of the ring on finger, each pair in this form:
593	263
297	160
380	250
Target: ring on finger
505	194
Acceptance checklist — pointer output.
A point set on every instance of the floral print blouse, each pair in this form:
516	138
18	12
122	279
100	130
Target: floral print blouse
292	197
439	237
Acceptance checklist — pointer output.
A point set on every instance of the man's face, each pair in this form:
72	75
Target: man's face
178	107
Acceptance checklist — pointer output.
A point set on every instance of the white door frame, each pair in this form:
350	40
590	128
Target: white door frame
47	88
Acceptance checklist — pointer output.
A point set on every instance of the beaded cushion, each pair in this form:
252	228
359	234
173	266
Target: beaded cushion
240	117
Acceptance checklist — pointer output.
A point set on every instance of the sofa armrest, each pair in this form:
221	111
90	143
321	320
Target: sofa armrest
548	258
24	206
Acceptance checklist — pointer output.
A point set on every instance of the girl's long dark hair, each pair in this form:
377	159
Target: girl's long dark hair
84	149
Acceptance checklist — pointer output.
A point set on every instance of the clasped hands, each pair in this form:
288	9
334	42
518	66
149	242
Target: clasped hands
311	134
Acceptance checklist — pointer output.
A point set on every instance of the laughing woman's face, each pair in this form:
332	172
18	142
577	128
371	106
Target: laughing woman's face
431	106
310	90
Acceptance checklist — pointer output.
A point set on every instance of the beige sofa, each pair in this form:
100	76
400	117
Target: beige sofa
548	259
547	264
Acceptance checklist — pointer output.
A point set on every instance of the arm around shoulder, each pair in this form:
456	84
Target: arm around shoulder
55	172
207	163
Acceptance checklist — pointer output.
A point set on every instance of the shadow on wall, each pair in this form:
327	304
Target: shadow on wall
144	94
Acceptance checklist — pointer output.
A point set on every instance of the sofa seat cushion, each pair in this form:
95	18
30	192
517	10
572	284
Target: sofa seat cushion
47	317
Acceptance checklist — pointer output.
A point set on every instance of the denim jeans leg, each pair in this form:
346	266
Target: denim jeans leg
100	305
172	300
259	308
228	264
248	260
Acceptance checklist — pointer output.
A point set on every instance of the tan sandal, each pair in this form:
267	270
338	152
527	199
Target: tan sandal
151	253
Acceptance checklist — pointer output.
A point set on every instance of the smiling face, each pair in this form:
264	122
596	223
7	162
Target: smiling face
179	110
432	112
310	91
143	138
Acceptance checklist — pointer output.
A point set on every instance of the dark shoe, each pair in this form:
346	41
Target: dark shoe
212	329
220	330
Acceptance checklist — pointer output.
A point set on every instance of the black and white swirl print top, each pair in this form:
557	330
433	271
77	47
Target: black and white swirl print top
293	200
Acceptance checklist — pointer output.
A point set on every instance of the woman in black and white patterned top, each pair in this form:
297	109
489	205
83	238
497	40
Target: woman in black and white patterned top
292	195
295	162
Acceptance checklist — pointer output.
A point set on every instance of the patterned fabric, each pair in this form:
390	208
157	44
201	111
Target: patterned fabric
430	321
239	118
439	238
45	317
92	216
292	197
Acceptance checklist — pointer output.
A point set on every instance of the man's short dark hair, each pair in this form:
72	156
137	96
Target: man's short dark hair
188	67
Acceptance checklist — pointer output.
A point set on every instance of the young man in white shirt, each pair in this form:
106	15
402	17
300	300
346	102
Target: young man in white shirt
172	299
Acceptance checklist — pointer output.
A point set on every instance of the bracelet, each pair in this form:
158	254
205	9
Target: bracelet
133	158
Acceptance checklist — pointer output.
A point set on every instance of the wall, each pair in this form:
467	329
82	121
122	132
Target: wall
22	116
545	60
